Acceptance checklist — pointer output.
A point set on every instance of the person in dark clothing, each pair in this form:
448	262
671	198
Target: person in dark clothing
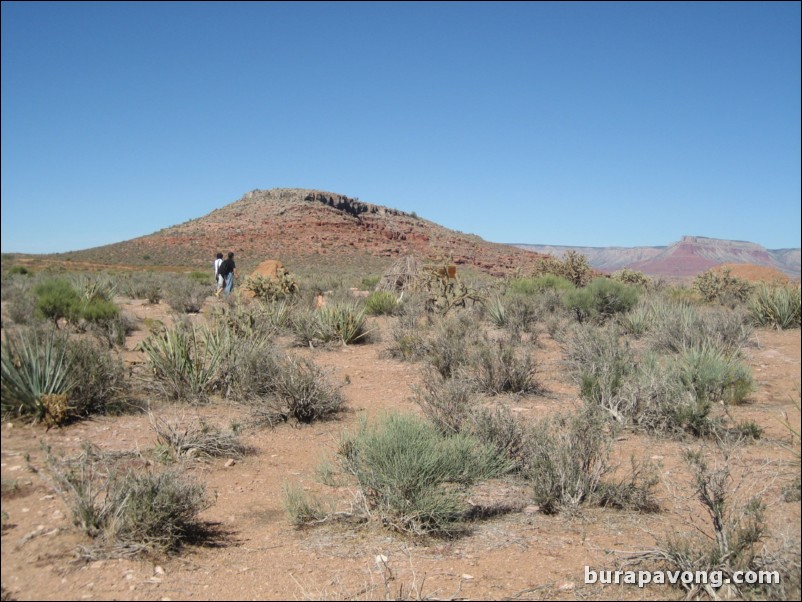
228	270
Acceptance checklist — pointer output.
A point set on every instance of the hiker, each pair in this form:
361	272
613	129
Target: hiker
218	279
228	270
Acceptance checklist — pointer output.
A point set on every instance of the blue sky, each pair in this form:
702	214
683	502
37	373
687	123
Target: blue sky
594	124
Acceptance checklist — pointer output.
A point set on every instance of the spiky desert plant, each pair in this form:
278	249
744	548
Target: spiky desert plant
184	361
36	376
380	303
346	321
776	306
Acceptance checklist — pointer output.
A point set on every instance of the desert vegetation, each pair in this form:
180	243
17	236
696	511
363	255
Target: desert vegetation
538	395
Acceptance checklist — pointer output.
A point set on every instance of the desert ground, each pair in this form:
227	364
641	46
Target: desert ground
257	554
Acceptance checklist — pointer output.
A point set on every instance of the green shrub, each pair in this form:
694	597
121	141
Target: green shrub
381	303
776	306
413	477
369	282
713	376
342	322
56	299
601	299
539	284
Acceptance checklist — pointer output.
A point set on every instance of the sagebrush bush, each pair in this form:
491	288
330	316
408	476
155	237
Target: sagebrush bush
185	295
99	383
299	390
600	361
713	376
568	456
601	299
179	439
449	347
129	511
501	367
680	326
446	402
413	477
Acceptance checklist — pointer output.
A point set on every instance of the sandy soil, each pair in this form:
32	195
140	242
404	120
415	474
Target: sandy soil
259	555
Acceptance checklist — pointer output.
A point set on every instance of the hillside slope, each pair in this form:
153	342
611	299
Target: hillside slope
304	229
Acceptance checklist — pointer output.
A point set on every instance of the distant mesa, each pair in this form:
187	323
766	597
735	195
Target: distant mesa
690	256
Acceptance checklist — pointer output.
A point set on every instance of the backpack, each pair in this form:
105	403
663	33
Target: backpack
225	269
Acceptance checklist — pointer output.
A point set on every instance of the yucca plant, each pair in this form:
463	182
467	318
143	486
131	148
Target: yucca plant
185	360
36	379
381	303
496	310
346	320
776	306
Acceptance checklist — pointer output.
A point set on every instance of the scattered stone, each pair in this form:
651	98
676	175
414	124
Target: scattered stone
531	509
568	586
380	559
230	462
158	570
467	577
97	564
657	457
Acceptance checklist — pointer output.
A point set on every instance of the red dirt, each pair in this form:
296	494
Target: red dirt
523	555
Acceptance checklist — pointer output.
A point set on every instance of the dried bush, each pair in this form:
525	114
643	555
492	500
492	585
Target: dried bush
300	391
129	511
601	299
183	439
501	367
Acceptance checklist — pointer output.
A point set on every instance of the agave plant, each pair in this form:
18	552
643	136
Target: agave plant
36	378
185	361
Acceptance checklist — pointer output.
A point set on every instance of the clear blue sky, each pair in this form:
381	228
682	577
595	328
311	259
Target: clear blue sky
546	123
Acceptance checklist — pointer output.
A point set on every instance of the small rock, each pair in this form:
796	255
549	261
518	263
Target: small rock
467	577
657	457
380	559
97	564
230	462
57	515
568	586
158	570
531	509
